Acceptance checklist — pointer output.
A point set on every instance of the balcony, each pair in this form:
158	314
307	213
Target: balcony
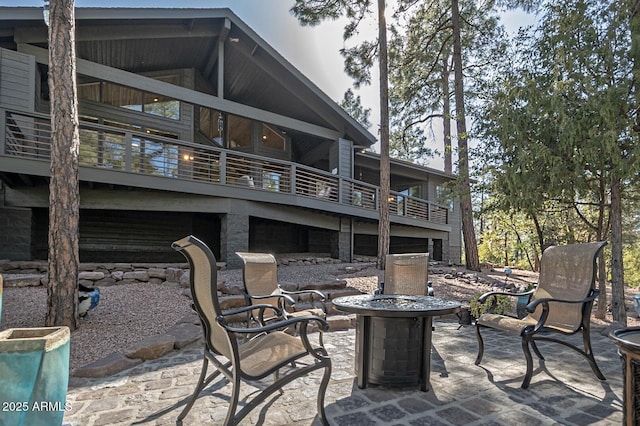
28	137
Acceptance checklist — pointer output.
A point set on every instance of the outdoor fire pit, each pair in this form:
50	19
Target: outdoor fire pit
393	336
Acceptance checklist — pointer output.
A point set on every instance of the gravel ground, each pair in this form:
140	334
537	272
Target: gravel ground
129	313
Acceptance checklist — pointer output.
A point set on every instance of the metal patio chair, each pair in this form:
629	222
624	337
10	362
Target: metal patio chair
269	353
561	303
406	273
260	278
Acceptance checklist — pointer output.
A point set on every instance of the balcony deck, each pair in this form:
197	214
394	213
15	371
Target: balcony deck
113	155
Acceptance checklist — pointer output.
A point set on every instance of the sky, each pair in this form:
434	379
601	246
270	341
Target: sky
312	50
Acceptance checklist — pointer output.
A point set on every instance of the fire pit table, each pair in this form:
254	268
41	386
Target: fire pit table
393	336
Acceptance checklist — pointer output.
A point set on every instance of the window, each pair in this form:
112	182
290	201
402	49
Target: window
153	157
212	124
102	149
272	139
239	131
162	106
130	98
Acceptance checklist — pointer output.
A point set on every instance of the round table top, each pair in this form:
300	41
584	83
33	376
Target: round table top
627	338
396	305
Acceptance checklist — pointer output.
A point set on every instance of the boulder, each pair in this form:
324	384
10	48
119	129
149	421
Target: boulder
151	348
184	334
137	275
22	280
90	275
107	366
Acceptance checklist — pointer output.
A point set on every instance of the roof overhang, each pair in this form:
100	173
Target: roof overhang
141	40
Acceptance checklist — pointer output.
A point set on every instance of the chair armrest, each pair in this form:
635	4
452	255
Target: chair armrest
322	323
545	300
262	307
310	292
287	299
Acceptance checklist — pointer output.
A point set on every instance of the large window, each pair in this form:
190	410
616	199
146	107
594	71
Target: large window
212	124
102	149
131	98
239	131
154	157
273	139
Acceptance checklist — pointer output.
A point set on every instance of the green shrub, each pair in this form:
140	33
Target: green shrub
503	304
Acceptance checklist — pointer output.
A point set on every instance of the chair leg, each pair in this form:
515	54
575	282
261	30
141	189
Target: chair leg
480	345
536	350
589	355
321	394
199	386
527	355
230	420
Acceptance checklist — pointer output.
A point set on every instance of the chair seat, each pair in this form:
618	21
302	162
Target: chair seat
515	325
262	353
506	323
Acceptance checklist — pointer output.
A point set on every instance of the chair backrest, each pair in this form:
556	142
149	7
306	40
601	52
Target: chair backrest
260	275
567	272
204	291
406	274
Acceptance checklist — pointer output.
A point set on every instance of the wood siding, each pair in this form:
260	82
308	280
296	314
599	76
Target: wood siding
17	80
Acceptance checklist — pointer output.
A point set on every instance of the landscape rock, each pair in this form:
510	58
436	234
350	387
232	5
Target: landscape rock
22	280
158	273
117	275
107	366
90	275
184	334
152	347
174	274
137	275
339	322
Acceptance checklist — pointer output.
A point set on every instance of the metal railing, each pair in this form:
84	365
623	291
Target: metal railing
107	147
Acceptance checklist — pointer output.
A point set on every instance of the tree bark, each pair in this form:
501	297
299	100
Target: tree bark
64	198
618	308
468	232
383	205
601	310
446	115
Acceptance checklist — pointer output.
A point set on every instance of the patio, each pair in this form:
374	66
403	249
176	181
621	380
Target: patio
565	392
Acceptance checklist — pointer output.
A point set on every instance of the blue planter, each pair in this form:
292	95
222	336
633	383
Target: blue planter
636	304
521	304
34	375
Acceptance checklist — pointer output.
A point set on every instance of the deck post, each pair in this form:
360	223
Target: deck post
3	117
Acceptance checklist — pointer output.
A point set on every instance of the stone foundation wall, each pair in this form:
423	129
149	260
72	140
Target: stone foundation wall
34	273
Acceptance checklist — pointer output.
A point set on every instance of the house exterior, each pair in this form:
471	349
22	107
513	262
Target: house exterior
190	123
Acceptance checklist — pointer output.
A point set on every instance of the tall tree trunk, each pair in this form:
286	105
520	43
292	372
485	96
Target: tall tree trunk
446	115
64	198
468	231
601	311
540	235
383	223
618	308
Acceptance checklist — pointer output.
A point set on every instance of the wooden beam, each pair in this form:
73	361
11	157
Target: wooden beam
215	56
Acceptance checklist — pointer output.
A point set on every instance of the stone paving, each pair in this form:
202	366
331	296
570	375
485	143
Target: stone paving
563	389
